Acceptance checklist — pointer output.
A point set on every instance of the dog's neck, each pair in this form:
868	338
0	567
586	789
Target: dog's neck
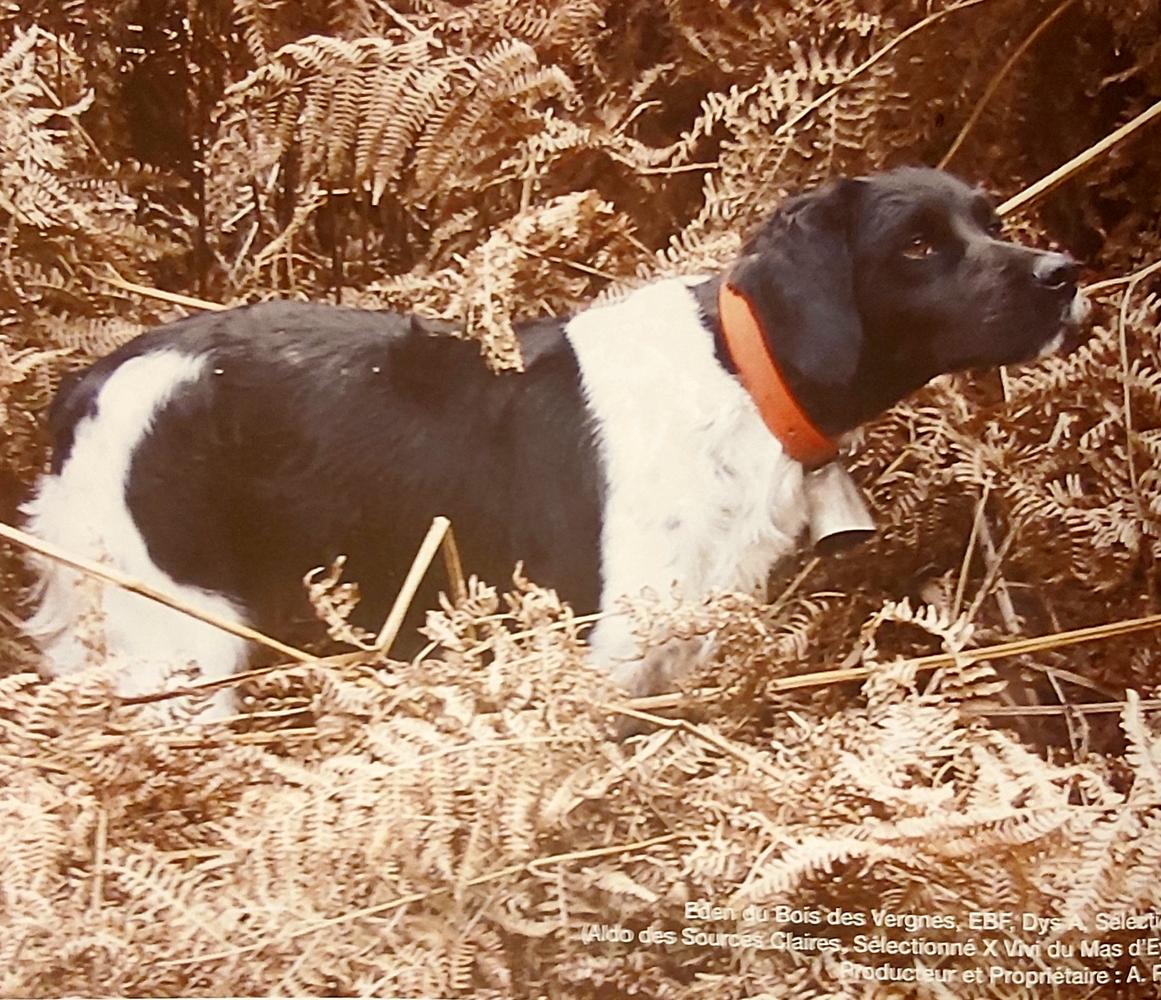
748	346
749	352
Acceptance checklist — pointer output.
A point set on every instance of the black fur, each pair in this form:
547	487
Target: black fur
856	324
318	431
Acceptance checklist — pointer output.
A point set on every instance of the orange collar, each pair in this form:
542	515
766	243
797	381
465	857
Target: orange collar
763	380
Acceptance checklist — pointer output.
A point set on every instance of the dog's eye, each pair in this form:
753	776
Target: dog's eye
919	247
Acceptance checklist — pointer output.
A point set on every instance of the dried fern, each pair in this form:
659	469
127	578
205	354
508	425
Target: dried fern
450	827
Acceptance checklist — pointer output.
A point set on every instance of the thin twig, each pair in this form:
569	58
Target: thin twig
866	64
1016	647
1079	680
74	123
156	293
1123	338
680	169
256	738
100	847
1066	170
994	84
565	262
10	618
1100	287
792	587
114	576
1093	708
427	550
703	733
454	566
969	550
1076	726
458	585
994	558
404	23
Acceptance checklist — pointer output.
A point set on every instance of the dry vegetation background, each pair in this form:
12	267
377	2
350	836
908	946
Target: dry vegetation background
448	828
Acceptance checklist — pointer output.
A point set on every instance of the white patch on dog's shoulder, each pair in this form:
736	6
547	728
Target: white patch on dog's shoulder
700	497
83	510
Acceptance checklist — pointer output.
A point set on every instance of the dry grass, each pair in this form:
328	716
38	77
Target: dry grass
458	826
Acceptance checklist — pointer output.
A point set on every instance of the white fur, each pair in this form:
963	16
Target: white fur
83	510
1052	346
1078	312
700	496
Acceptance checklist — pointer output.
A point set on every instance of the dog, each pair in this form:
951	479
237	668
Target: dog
658	443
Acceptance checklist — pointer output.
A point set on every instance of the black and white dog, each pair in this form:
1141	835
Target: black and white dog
658	443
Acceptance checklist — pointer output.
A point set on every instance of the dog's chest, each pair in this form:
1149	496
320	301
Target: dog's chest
699	496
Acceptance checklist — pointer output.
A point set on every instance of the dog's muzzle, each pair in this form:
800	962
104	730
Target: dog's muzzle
1074	326
1058	273
1076	320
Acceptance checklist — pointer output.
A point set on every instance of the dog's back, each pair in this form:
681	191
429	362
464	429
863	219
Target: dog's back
222	457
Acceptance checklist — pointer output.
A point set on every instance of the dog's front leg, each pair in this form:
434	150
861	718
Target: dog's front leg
637	667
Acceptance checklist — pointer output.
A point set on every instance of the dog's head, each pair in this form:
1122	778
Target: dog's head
868	288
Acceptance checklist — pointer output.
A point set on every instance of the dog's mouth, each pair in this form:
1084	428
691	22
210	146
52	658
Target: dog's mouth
1073	330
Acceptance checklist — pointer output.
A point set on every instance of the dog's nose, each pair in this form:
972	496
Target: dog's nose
1057	271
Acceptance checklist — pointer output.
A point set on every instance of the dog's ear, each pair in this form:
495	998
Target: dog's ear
797	272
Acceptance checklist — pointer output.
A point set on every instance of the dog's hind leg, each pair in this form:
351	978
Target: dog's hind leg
82	508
